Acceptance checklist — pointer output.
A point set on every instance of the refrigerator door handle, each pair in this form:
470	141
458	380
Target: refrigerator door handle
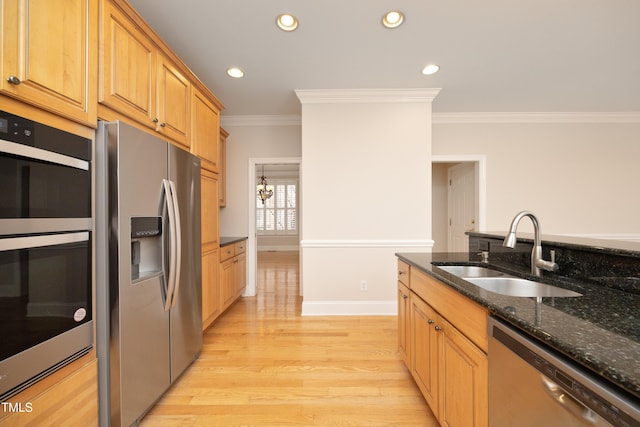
178	241
171	279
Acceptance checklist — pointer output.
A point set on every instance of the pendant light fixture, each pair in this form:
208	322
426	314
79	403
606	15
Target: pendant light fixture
265	191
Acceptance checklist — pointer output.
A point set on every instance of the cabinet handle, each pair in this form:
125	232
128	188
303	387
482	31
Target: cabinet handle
13	80
431	321
437	328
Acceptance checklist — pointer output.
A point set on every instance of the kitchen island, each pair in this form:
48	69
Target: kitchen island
600	330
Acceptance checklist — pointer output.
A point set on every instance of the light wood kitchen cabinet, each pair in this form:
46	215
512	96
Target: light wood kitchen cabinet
66	397
223	167
210	237
446	348
233	265
173	115
211	302
210	212
424	358
138	80
404	310
464	378
49	55
127	67
205	131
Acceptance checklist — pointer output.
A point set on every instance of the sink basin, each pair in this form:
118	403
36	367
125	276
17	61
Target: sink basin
517	287
466	271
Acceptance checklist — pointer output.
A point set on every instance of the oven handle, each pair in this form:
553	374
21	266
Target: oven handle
40	154
571	404
15	243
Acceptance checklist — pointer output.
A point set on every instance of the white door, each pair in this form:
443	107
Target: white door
462	205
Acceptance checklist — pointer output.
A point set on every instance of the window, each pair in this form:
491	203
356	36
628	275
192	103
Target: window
279	214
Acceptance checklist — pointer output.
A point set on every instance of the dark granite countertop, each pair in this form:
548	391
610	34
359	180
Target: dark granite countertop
228	240
600	330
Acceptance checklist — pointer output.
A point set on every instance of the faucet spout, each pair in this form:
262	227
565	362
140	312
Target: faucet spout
537	262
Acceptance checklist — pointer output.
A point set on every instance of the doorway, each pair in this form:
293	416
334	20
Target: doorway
274	168
458	200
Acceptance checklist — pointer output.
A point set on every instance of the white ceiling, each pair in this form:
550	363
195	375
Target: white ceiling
495	55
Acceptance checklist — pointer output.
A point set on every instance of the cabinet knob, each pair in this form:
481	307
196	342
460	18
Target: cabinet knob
155	120
163	124
13	80
437	328
405	296
431	321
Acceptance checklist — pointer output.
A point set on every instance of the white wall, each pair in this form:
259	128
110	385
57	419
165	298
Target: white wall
366	179
579	178
249	140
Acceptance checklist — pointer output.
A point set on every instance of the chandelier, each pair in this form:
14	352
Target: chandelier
265	191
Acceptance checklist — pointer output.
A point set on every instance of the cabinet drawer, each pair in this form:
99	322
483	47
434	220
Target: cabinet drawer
467	316
226	252
240	247
403	272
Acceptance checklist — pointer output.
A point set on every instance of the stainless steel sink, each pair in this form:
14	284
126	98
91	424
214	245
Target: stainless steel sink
517	287
465	271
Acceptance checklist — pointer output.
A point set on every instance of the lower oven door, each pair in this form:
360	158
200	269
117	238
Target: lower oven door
45	304
530	386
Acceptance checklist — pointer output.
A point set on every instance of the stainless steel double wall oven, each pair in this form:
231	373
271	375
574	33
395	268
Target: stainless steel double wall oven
45	250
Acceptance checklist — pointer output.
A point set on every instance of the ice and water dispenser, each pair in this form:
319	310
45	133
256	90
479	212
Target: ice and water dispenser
146	247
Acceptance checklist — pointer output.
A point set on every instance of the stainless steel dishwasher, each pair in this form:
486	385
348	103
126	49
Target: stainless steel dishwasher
529	385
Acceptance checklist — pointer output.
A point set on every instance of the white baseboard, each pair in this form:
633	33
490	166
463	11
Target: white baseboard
349	308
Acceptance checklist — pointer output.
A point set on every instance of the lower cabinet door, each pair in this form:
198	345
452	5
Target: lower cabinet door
424	350
464	371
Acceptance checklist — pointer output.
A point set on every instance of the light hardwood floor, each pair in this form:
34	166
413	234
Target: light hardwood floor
262	364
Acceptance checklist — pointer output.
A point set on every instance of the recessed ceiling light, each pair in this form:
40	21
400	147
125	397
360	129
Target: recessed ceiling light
430	69
235	72
392	19
287	22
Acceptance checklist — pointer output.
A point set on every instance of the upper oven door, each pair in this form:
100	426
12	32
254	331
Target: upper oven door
45	178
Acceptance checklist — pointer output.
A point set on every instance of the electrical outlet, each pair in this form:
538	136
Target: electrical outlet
363	285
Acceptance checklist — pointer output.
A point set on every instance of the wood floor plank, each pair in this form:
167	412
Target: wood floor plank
262	364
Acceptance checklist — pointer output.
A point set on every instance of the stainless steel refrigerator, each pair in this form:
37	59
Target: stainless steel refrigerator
148	269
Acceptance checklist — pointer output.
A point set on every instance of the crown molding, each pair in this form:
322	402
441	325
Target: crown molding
261	120
539	117
357	96
450	118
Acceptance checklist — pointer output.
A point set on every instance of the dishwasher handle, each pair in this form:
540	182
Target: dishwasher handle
571	404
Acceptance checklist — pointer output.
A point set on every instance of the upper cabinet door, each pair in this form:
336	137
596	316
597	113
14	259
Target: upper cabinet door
205	131
128	67
174	112
48	55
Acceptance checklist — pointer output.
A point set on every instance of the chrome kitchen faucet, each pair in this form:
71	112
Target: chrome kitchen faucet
537	262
